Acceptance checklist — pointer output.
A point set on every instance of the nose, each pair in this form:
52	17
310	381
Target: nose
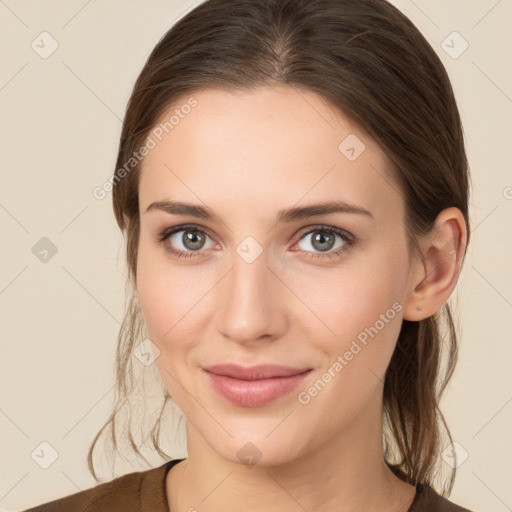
251	302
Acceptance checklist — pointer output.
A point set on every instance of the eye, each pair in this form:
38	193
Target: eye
184	241
190	241
323	239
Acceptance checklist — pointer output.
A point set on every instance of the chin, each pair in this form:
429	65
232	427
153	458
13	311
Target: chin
258	450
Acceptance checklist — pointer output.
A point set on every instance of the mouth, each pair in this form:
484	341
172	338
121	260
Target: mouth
254	386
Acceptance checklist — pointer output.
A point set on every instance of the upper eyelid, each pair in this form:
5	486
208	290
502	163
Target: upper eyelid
327	227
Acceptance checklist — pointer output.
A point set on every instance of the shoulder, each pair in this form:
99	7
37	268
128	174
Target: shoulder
122	493
428	500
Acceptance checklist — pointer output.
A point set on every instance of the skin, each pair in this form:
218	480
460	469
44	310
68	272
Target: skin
247	155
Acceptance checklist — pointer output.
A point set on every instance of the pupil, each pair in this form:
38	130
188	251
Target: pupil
192	240
321	238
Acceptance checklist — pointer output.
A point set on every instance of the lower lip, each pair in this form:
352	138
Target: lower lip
254	393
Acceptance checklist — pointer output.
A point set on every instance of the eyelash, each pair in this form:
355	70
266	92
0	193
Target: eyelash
349	241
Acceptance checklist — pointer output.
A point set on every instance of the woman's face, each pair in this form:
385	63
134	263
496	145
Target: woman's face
255	286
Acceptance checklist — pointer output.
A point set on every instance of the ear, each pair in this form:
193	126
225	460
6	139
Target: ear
434	277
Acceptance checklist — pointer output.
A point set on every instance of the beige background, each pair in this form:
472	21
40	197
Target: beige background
61	119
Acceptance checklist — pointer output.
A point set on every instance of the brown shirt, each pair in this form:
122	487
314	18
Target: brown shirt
144	491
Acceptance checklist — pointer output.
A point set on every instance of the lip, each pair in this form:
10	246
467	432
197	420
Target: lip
262	371
254	386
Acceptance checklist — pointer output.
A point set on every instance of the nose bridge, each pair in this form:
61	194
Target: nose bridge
248	299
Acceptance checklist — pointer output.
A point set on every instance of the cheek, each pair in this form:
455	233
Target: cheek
173	301
154	297
167	294
360	303
167	302
362	307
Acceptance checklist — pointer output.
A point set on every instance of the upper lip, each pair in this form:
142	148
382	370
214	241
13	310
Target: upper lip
264	371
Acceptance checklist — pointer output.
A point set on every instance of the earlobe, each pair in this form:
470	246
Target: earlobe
439	269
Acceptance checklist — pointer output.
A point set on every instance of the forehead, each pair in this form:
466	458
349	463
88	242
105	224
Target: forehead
269	146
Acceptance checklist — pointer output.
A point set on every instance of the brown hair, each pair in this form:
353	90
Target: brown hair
368	60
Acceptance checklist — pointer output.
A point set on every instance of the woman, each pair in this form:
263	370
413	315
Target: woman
257	132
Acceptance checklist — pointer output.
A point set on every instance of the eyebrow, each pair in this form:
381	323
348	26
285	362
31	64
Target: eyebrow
286	215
